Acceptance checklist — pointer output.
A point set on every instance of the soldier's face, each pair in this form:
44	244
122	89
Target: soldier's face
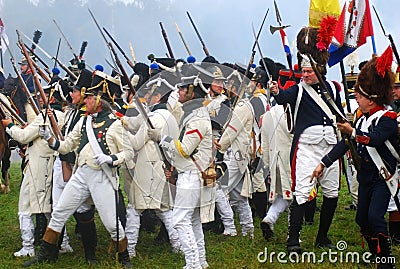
75	96
363	102
182	94
24	68
396	92
309	76
217	86
90	101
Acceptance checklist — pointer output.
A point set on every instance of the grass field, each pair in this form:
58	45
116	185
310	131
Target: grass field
222	252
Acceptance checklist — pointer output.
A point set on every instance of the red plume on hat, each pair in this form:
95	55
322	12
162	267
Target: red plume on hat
384	62
326	32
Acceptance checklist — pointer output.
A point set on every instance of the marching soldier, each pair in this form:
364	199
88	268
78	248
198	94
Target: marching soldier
218	108
84	216
191	155
235	144
150	189
276	143
99	140
35	191
260	104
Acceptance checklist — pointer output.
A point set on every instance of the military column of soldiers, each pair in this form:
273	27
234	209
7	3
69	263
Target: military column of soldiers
196	141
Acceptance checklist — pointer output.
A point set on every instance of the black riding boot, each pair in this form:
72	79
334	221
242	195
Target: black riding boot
372	244
88	232
327	211
48	251
40	228
295	223
386	259
260	200
310	212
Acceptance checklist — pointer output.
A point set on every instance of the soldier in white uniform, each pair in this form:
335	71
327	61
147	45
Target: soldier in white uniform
218	108
235	144
99	139
150	188
260	104
276	144
191	155
35	191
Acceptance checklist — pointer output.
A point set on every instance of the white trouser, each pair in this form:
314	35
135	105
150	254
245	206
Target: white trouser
238	201
27	229
186	218
307	158
132	230
225	210
86	182
277	207
132	227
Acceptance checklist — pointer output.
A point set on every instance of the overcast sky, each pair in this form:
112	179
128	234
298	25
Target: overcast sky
225	26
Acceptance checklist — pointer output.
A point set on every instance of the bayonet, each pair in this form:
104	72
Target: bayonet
198	35
183	40
132	52
243	85
58	50
119	48
63	66
66	40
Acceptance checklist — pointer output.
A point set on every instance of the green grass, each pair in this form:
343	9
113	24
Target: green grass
222	252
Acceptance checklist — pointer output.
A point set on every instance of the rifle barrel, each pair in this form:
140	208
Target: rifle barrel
198	35
164	34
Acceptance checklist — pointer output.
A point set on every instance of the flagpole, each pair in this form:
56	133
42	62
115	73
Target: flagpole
1	51
373	44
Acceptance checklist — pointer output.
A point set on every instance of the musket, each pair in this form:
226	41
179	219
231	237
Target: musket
164	34
66	40
63	66
119	48
139	104
183	40
58	50
243	86
354	155
389	36
46	67
265	65
253	52
198	35
53	122
38	69
22	82
132	52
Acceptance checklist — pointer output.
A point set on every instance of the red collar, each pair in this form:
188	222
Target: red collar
376	109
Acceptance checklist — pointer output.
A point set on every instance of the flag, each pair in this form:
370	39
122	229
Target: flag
320	9
351	32
3	37
286	47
